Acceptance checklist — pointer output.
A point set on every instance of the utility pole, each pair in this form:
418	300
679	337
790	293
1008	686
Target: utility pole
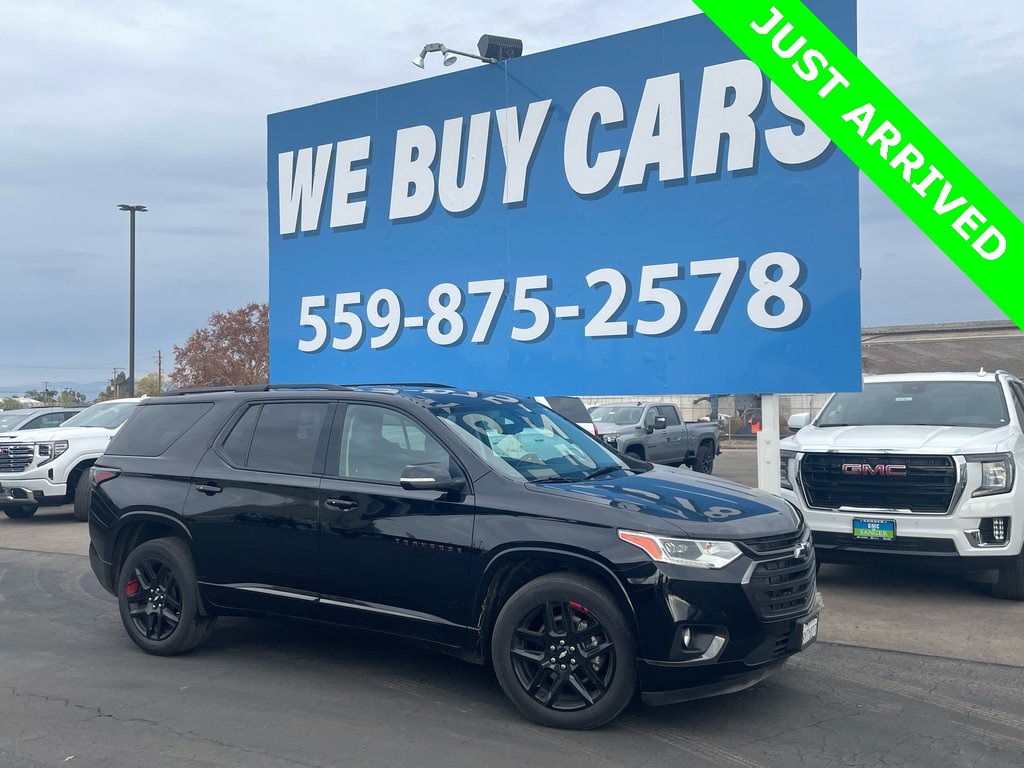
46	393
114	382
159	372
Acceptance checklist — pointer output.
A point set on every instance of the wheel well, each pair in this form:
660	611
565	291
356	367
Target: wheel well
73	476
515	573
637	450
134	534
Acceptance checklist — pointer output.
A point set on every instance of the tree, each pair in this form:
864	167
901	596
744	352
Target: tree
69	397
147	385
233	350
118	387
10	404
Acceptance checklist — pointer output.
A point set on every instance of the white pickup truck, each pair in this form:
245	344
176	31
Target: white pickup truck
916	469
51	466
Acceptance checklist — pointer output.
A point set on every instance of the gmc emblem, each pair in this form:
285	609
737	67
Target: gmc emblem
888	470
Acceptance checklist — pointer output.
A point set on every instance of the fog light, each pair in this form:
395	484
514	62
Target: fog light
687	637
999	529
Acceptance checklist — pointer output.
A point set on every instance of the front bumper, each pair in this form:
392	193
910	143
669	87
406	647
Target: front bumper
17	497
33	485
709	632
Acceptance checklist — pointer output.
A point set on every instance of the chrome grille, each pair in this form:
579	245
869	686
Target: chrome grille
927	486
15	457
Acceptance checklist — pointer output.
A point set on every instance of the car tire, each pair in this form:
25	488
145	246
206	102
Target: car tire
18	513
593	676
158	598
83	497
1010	584
636	453
704	461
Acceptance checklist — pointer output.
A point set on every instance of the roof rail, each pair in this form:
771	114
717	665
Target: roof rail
254	388
403	384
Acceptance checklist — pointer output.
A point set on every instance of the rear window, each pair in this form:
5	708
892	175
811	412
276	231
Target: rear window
155	428
571	408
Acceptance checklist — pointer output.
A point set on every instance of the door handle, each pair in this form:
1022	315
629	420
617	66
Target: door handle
209	490
341	504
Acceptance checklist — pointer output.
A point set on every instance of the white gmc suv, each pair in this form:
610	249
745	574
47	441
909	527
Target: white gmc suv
52	465
917	468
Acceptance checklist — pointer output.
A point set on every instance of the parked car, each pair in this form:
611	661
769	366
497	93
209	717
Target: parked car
573	409
479	523
655	432
21	419
51	466
917	469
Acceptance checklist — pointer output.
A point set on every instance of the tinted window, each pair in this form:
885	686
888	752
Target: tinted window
670	414
155	428
571	407
623	415
931	403
378	443
236	445
286	437
1018	401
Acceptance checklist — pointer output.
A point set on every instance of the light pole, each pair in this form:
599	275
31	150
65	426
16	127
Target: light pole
132	209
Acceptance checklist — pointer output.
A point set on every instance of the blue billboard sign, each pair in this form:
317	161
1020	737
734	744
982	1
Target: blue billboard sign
643	213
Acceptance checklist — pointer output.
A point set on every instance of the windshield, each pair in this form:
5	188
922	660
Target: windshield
523	439
9	421
623	415
932	403
109	415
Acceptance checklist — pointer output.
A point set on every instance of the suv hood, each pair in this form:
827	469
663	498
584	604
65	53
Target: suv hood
49	435
907	439
677	502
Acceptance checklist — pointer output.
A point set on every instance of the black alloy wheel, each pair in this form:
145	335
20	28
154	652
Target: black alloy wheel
704	461
563	653
154	599
562	656
158	598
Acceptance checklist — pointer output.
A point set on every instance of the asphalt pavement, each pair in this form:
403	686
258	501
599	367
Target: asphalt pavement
910	670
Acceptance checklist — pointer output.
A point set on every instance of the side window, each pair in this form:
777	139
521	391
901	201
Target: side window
286	437
35	423
52	420
649	417
1018	401
670	414
155	428
236	445
378	443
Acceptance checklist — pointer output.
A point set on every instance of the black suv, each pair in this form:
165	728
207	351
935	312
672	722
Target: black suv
483	524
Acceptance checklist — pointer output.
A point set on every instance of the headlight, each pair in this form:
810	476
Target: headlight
610	437
695	553
50	451
787	468
996	473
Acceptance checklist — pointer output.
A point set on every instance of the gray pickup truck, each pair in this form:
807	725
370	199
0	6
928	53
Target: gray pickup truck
654	432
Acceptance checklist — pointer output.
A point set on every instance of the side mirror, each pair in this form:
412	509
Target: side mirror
798	421
660	422
431	476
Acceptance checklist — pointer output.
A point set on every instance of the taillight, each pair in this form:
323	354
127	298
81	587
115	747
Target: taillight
101	475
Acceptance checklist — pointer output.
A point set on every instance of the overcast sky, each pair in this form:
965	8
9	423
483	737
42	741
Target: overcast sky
165	104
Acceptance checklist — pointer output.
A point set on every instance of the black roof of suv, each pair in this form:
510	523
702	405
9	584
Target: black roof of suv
479	523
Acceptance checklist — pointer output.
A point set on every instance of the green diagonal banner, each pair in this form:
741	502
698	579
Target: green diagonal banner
878	133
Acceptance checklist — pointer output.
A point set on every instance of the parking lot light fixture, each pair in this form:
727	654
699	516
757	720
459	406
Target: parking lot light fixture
132	210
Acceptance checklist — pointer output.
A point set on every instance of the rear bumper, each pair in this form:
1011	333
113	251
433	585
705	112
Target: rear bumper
104	571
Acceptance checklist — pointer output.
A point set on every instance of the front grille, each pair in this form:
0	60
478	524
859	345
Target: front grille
783	587
833	480
899	544
771	648
15	457
780	543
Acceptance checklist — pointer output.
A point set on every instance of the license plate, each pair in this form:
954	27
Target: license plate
809	632
870	528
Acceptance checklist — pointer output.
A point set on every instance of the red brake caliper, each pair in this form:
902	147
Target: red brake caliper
131	588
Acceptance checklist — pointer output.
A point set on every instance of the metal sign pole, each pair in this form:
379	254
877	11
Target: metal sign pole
768	445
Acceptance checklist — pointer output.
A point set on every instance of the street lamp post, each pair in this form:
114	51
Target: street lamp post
132	209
